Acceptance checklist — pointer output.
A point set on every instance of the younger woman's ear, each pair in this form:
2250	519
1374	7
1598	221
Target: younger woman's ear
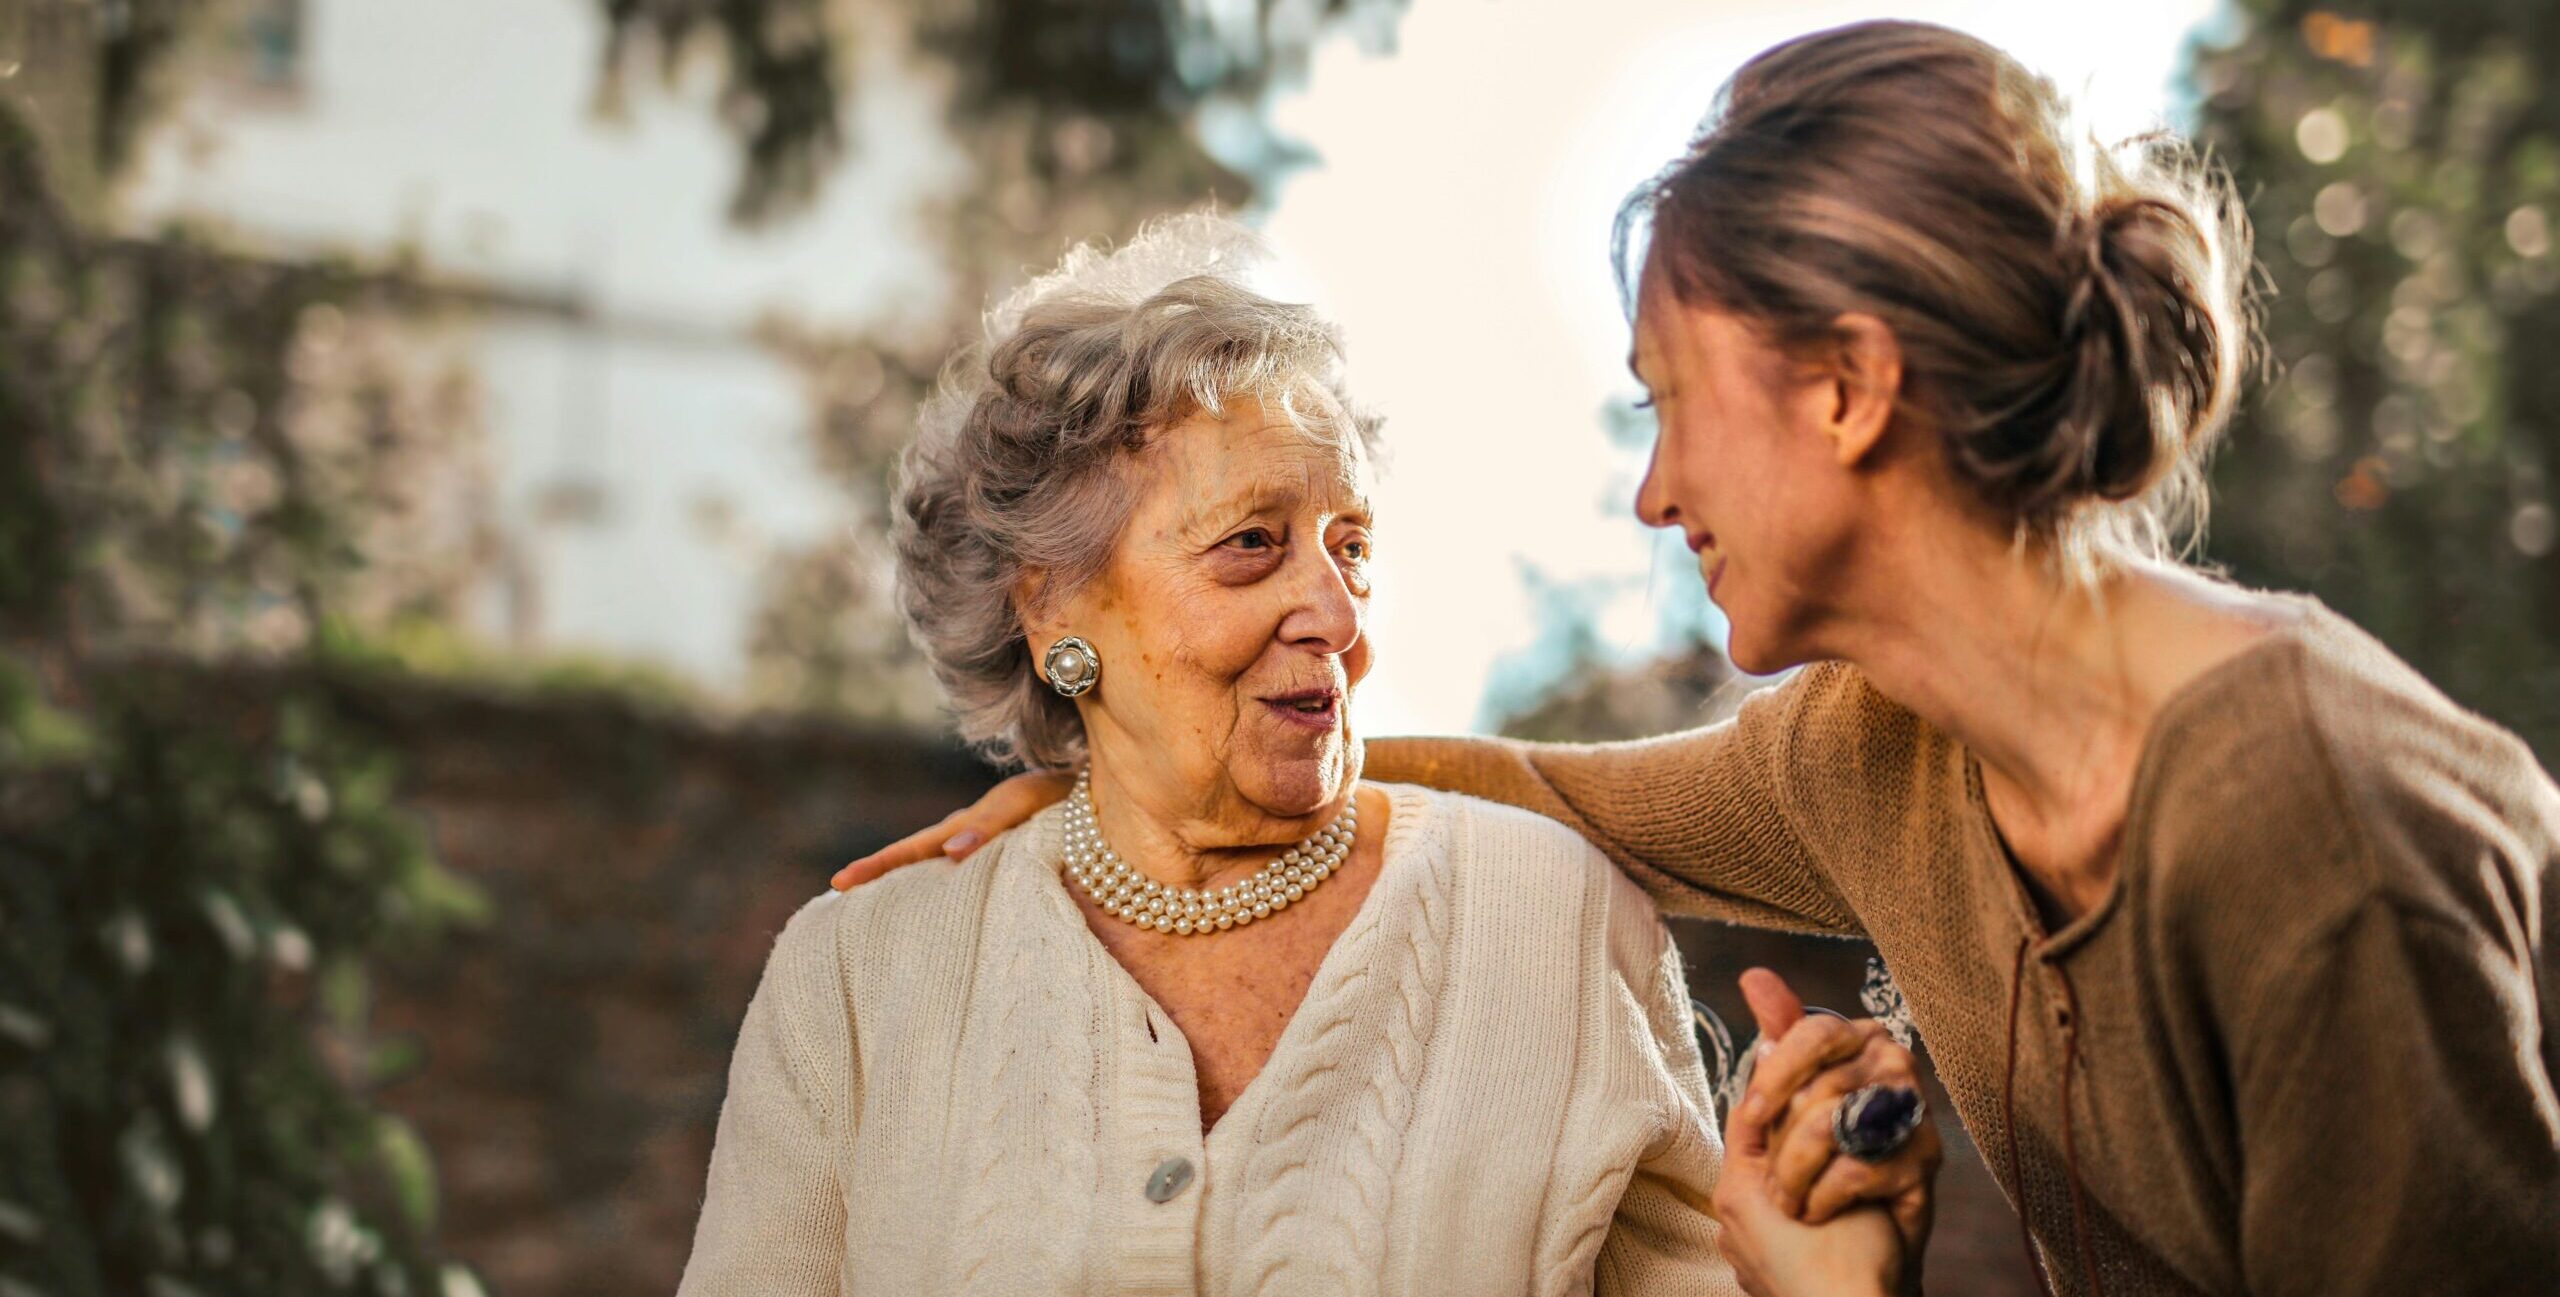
1866	386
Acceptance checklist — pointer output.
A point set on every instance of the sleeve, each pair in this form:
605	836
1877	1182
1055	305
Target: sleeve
1662	1239
2398	1130
1698	818
773	1212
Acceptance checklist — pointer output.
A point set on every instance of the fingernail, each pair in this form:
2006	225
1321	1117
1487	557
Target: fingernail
962	843
837	882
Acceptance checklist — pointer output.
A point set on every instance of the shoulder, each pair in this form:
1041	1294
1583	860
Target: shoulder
1855	762
1502	858
1496	840
923	914
2321	756
1847	731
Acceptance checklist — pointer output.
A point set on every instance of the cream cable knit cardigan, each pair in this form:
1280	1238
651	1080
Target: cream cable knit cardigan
945	1085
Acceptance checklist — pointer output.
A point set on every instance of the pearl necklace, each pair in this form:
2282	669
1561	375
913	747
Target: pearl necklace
1127	894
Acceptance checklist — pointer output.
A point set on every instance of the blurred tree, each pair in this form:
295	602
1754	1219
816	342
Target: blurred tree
1067	89
202	455
199	455
2401	161
191	910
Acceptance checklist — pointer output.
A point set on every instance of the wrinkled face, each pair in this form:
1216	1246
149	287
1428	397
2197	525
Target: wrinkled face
1741	467
1230	621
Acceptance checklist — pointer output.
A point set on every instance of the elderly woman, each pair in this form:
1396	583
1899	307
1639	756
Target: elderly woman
1226	1019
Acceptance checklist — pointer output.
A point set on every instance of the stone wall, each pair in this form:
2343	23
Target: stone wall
573	1054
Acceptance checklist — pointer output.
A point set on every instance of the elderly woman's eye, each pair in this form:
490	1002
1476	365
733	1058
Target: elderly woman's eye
1253	539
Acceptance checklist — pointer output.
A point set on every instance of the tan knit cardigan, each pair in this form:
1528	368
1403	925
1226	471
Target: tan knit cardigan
944	1084
2306	1046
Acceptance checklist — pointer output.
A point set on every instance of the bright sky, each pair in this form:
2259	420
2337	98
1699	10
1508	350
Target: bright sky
1458	228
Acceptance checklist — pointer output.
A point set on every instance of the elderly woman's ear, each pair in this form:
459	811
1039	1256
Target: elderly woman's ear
1043	623
1061	659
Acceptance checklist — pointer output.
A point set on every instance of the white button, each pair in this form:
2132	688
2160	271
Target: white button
1173	1175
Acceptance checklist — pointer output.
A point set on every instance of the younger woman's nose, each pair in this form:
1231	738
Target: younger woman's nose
1653	503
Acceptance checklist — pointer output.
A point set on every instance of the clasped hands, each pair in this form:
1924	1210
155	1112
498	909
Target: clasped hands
1799	1218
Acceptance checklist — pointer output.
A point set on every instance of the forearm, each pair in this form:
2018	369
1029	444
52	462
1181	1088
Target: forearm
1696	818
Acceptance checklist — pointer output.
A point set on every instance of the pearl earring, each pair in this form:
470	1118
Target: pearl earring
1073	666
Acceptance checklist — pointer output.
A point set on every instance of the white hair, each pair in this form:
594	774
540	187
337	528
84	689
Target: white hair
1020	457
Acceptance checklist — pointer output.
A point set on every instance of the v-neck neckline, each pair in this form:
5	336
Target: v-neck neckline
1406	811
2172	711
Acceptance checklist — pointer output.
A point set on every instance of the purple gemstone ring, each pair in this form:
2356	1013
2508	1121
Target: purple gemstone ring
1873	1122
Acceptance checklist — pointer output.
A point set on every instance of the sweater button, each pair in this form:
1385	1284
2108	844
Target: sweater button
1173	1175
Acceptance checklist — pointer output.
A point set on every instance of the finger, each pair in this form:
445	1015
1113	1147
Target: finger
1804	1139
1801	1151
1745	1143
1738	1200
1812	1045
1007	804
1847	1182
956	835
1023	796
1744	1218
1914	1211
1775	1006
922	845
1879	1062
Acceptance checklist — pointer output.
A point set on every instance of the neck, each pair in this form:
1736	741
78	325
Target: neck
2052	684
1196	842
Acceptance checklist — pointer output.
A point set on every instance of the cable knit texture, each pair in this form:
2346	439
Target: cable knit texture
944	1084
2308	1044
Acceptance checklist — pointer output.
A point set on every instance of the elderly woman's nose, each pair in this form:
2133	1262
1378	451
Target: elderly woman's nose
1325	615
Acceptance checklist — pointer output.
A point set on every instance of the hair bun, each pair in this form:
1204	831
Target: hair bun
2148	375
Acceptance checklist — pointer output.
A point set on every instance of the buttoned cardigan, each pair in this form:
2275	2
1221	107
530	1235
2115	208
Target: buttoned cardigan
945	1084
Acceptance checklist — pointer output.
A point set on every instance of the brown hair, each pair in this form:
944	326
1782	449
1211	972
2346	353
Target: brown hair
2072	319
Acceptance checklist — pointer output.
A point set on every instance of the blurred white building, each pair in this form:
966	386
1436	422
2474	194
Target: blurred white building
647	451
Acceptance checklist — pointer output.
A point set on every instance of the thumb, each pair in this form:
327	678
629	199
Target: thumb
1774	1005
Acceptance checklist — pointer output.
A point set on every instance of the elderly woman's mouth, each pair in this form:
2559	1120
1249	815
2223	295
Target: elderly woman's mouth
1316	709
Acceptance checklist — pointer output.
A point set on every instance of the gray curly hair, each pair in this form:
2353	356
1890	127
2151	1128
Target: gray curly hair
1022	456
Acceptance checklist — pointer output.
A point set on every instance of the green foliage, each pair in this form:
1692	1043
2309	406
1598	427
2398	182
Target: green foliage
2402	165
189	892
1137	70
181	1100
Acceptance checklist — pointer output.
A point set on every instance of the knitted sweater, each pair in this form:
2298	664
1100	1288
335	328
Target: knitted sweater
2307	1044
944	1084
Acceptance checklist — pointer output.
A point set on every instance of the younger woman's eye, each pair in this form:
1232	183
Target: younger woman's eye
1645	404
